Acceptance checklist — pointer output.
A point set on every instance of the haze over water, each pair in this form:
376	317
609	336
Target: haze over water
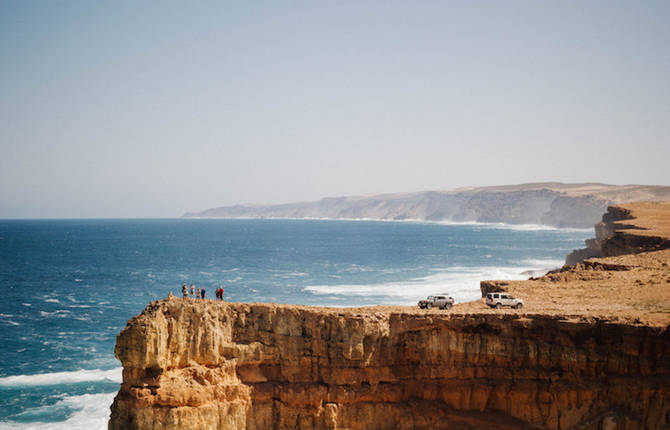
70	286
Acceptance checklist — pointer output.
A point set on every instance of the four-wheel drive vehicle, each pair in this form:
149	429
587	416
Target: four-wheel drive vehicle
498	300
442	301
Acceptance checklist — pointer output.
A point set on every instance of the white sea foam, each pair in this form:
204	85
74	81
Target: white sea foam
87	412
290	275
56	378
5	318
460	282
548	264
496	225
60	313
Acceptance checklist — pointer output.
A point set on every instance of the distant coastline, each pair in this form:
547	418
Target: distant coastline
502	225
547	204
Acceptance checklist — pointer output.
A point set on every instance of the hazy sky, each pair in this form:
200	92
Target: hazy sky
142	109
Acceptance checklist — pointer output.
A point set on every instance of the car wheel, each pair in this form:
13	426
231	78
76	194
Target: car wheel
447	306
519	305
428	306
498	305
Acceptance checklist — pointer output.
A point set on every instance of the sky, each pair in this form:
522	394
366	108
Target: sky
152	109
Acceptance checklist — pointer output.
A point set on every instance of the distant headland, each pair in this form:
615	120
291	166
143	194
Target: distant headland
552	204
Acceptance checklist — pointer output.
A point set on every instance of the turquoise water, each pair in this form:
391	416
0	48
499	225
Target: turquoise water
70	286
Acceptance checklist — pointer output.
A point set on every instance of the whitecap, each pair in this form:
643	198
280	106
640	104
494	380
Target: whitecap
52	300
60	313
460	282
542	266
286	275
86	412
56	378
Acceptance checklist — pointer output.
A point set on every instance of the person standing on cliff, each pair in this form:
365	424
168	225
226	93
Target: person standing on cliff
184	291
192	290
202	293
197	293
221	293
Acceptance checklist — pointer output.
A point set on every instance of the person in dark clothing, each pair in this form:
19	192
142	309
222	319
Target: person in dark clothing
202	293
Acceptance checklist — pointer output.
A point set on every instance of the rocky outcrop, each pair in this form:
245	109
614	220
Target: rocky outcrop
212	365
492	287
616	237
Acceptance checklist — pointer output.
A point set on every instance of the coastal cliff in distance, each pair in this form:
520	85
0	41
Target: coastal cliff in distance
549	203
614	238
588	351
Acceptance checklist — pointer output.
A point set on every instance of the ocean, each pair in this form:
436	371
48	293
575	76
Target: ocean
69	286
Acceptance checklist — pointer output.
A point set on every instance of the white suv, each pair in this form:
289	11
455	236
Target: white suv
498	300
443	301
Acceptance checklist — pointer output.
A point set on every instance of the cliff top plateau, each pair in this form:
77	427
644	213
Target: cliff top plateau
629	281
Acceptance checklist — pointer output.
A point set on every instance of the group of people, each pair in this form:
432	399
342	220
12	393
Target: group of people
199	293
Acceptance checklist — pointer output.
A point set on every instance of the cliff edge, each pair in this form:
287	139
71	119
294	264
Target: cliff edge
208	365
588	351
616	236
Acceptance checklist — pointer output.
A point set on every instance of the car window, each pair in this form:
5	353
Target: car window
488	296
496	296
504	296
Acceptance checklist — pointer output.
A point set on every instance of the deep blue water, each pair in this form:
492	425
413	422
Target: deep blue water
69	286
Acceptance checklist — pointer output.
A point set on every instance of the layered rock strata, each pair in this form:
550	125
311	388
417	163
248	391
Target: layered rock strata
615	236
212	365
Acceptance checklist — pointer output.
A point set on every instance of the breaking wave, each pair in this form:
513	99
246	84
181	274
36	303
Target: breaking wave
462	283
85	412
57	378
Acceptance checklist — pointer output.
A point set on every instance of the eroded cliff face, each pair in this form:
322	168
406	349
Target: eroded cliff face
213	365
617	234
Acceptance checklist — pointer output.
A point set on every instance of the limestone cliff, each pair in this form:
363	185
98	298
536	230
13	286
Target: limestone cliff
212	365
615	236
549	203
